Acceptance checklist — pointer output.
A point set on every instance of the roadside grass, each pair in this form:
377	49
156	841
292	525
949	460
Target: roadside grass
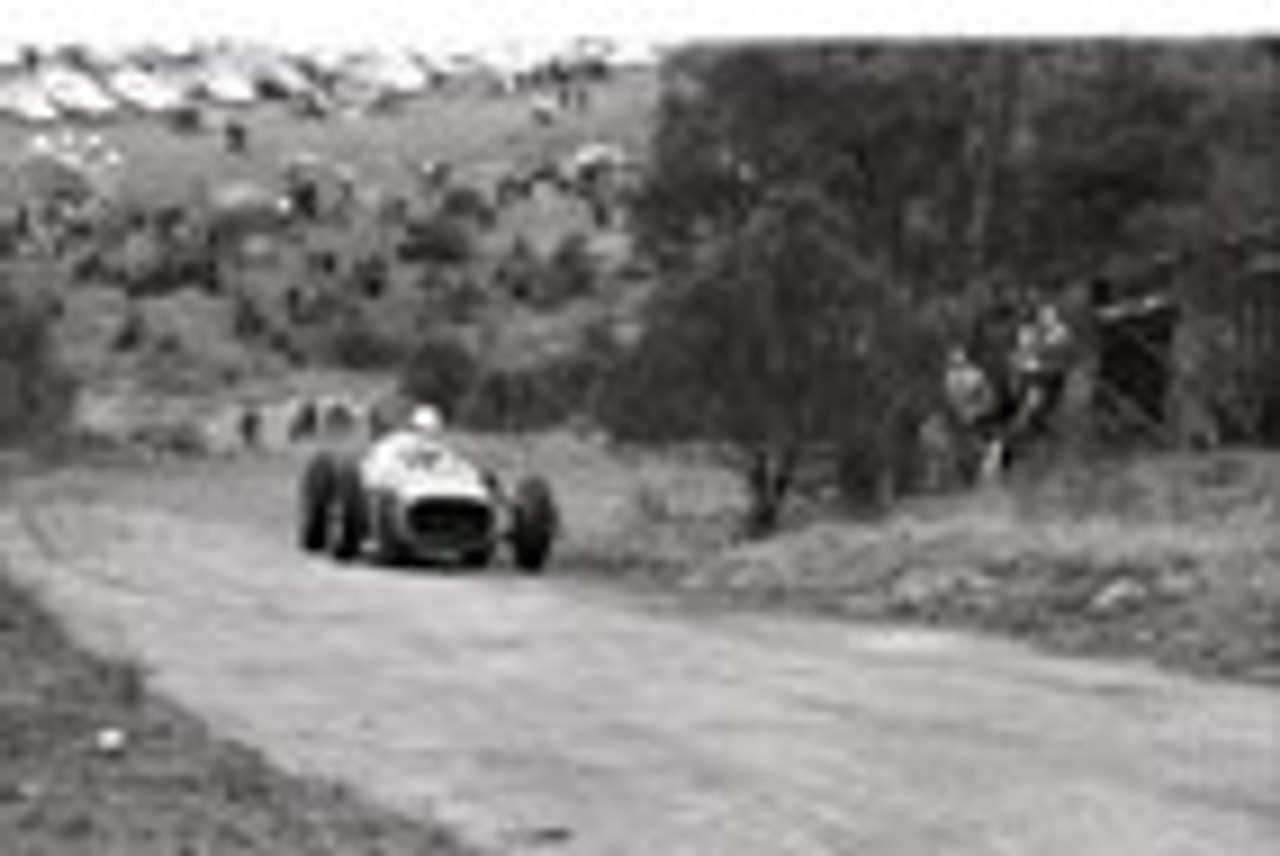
1173	559
91	763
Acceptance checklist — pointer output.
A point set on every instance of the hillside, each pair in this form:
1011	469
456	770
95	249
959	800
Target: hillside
451	210
477	130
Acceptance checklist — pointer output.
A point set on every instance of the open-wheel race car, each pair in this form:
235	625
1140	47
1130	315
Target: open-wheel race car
439	508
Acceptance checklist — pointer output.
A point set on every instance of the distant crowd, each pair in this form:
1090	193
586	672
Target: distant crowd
44	86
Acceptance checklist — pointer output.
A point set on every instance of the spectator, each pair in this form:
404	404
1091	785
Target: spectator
975	405
250	427
236	137
1039	364
306	421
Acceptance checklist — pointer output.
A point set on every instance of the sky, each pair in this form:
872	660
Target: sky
425	23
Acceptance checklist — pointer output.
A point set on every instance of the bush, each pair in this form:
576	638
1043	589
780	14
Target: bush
441	370
357	345
467	204
519	270
530	398
569	273
440	239
35	392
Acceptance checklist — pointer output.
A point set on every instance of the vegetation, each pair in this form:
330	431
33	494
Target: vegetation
35	393
440	239
776	344
945	171
879	194
441	370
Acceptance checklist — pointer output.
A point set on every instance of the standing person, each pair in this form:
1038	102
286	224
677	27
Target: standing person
974	404
236	137
250	427
1040	363
305	422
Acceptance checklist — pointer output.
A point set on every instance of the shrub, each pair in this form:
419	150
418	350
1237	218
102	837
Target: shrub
530	398
439	239
519	270
356	344
461	204
35	392
441	370
132	334
569	273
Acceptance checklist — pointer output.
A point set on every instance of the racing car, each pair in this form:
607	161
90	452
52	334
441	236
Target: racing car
445	509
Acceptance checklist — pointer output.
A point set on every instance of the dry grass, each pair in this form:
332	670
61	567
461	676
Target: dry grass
1176	560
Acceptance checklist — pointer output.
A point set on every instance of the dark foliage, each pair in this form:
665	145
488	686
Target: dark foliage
441	370
957	174
438	239
35	393
531	398
781	345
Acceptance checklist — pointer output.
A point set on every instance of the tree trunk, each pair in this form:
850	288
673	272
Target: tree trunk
990	145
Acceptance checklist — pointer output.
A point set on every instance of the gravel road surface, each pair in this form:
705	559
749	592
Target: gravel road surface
556	716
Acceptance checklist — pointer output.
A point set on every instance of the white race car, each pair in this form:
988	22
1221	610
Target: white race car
441	508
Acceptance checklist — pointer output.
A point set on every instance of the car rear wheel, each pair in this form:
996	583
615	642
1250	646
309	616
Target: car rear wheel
479	558
315	504
535	522
351	511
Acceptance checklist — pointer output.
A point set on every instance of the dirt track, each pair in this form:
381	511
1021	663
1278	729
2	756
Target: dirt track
552	716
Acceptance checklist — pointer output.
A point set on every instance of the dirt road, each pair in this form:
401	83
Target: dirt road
551	716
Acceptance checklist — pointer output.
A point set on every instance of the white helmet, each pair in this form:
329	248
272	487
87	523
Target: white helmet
426	419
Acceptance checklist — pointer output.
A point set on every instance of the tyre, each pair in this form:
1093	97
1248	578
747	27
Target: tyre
315	504
535	521
350	510
478	559
388	547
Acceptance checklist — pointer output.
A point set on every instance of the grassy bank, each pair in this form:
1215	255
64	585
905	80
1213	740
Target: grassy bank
1171	560
90	763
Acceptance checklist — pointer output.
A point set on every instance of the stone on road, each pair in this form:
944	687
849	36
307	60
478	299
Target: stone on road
547	716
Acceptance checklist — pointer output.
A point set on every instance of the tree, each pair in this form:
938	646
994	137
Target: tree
35	392
882	130
441	371
953	161
950	175
773	347
1117	142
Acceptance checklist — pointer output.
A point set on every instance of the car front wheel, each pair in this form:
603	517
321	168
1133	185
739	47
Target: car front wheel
535	523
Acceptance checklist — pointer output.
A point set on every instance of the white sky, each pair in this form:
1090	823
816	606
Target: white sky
468	22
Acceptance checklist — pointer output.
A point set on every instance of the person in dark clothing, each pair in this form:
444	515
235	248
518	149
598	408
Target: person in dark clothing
250	427
236	137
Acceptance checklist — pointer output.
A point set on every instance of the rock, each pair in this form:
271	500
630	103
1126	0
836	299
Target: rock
1119	594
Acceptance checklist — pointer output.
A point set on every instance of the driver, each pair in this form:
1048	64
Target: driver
401	452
